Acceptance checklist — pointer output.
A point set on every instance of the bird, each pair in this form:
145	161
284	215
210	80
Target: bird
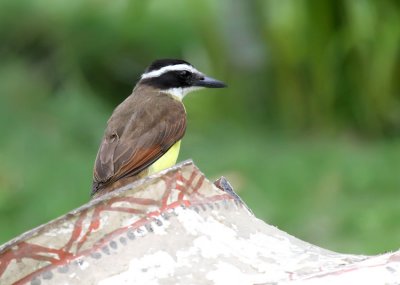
143	134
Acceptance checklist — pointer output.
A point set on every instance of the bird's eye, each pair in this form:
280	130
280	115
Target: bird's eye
184	74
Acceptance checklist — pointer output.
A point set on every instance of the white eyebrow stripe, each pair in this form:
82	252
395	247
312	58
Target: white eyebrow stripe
158	72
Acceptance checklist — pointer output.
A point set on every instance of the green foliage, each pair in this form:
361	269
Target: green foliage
341	194
304	72
316	65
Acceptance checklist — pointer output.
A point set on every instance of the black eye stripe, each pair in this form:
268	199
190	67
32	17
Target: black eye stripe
184	73
171	79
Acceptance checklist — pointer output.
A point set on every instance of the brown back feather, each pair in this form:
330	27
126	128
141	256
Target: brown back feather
135	138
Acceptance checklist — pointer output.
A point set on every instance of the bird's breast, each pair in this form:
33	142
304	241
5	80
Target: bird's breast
167	160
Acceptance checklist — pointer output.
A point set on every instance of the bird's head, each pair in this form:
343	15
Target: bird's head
177	77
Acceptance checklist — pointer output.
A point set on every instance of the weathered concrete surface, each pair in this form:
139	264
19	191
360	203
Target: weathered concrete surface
178	228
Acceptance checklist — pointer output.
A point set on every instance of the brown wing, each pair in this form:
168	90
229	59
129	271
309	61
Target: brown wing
135	138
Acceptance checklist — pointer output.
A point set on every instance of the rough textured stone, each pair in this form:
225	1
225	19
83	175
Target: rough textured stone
176	227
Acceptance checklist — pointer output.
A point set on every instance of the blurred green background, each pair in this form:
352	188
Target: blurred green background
308	131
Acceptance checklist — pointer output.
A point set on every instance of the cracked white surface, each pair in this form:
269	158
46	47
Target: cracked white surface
216	242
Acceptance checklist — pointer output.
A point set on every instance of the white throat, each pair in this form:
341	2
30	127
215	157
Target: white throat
179	93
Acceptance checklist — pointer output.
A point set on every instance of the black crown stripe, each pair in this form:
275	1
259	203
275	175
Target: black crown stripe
160	63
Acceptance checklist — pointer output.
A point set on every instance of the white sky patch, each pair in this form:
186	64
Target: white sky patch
165	69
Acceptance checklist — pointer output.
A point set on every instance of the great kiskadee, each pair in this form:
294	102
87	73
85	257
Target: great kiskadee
144	132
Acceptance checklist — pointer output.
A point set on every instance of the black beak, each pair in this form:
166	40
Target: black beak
209	82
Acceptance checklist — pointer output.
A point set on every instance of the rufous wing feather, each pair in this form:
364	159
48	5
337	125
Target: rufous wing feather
136	138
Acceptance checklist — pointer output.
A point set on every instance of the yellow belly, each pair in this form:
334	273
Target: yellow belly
167	160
